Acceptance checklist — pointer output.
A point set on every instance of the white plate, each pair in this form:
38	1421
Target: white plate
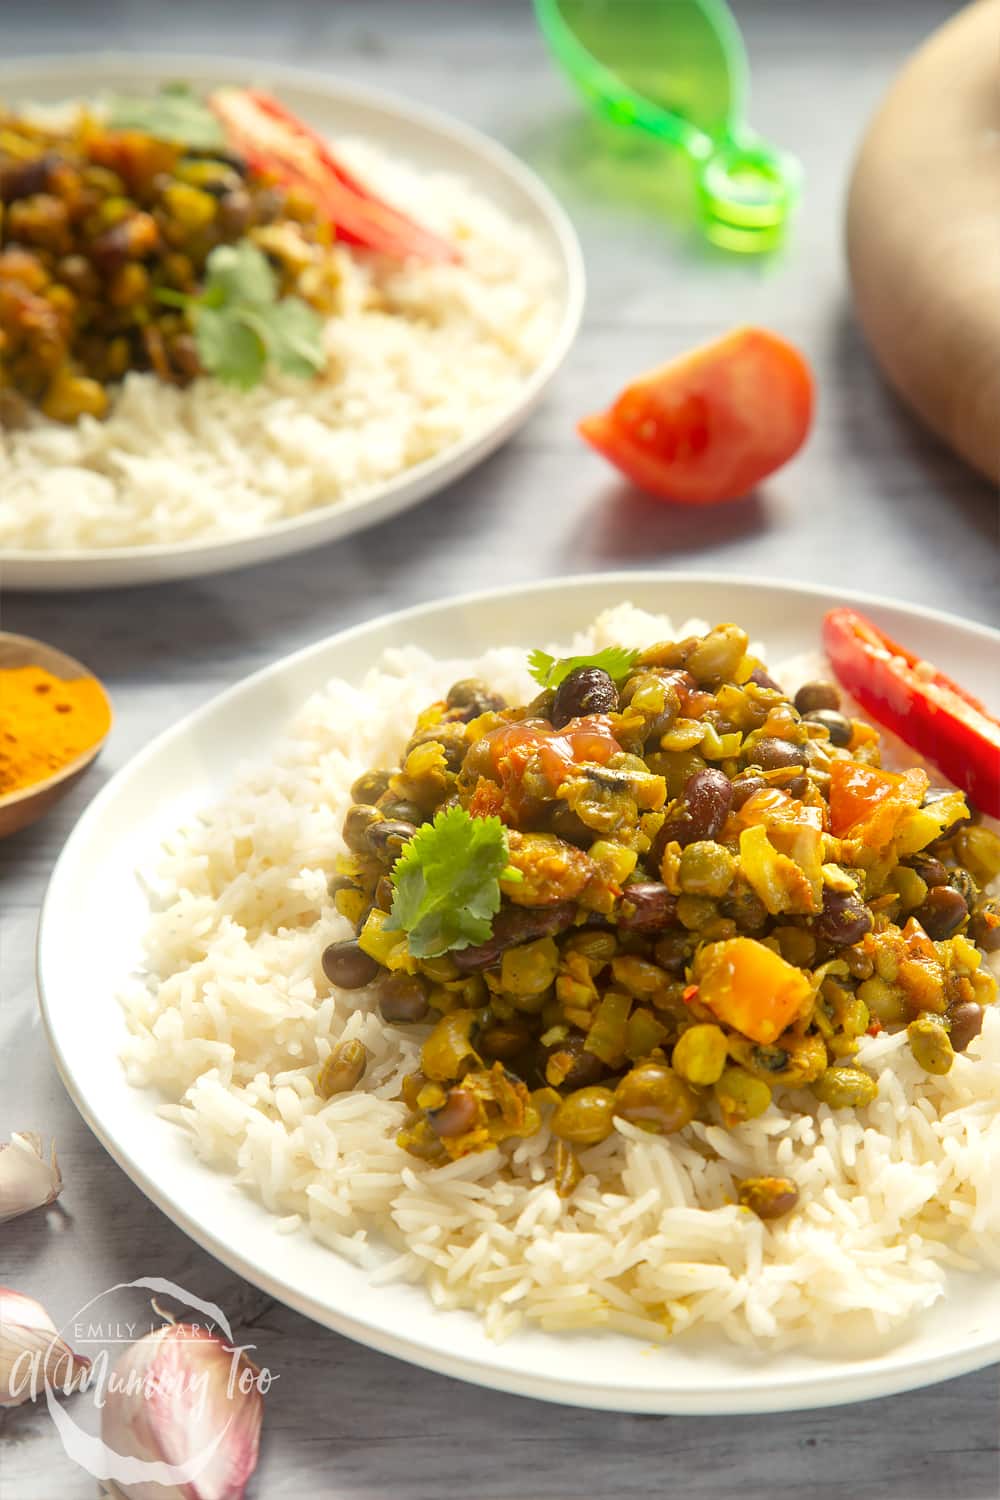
425	138
89	940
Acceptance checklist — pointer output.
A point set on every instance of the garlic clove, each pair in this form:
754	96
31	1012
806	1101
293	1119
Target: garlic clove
27	1180
189	1406
32	1355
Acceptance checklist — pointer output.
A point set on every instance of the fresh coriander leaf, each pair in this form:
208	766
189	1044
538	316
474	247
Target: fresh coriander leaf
549	671
239	325
293	334
174	114
229	348
239	273
447	883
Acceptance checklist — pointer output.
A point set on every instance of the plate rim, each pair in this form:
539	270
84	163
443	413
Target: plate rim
411	485
864	1380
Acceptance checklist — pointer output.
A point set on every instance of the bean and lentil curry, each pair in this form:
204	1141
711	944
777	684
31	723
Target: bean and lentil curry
103	234
709	891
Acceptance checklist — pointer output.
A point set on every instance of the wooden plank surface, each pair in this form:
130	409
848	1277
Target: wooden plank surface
872	503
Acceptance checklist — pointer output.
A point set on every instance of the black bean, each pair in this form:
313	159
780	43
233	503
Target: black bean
587	690
837	727
764	679
563	821
470	698
984	928
647	906
370	786
402	997
403	812
456	1116
797	787
813	696
966	1022
744	789
387	837
346	965
512	926
384	893
843	921
585	1069
931	871
772	753
357	822
451	738
942	913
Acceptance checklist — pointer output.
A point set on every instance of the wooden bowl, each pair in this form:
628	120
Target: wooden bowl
923	235
27	805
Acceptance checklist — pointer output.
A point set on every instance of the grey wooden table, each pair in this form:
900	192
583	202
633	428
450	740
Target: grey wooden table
873	503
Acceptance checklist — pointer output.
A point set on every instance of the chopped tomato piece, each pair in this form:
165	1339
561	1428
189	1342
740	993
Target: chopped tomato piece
920	704
712	424
751	988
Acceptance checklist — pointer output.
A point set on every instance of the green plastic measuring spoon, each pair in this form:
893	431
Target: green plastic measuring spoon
677	69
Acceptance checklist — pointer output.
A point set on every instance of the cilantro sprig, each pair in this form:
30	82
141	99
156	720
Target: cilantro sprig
550	671
240	323
174	114
447	883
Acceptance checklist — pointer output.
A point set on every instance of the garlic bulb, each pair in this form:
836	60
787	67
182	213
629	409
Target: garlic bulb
32	1355
27	1180
182	1417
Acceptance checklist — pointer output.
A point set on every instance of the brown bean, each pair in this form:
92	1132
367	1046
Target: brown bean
840	730
813	696
942	913
966	1024
708	796
764	679
347	965
470	698
27	178
587	690
573	1066
456	1116
931	871
402	998
843	921
772	753
503	1039
647	906
512	926
343	1069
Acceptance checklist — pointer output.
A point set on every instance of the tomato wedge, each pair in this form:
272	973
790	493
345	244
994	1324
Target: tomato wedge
271	139
920	704
709	426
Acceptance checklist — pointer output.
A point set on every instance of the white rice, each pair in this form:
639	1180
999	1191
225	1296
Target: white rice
234	1019
420	358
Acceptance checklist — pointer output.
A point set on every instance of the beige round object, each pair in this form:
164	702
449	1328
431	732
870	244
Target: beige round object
923	234
18	809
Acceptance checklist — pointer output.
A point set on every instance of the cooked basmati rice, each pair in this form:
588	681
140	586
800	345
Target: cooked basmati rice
420	358
234	1019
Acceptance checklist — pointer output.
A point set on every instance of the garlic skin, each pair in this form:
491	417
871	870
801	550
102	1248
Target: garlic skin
27	1180
33	1358
182	1418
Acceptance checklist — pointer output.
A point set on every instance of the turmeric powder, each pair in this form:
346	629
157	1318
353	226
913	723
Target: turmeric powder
46	723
